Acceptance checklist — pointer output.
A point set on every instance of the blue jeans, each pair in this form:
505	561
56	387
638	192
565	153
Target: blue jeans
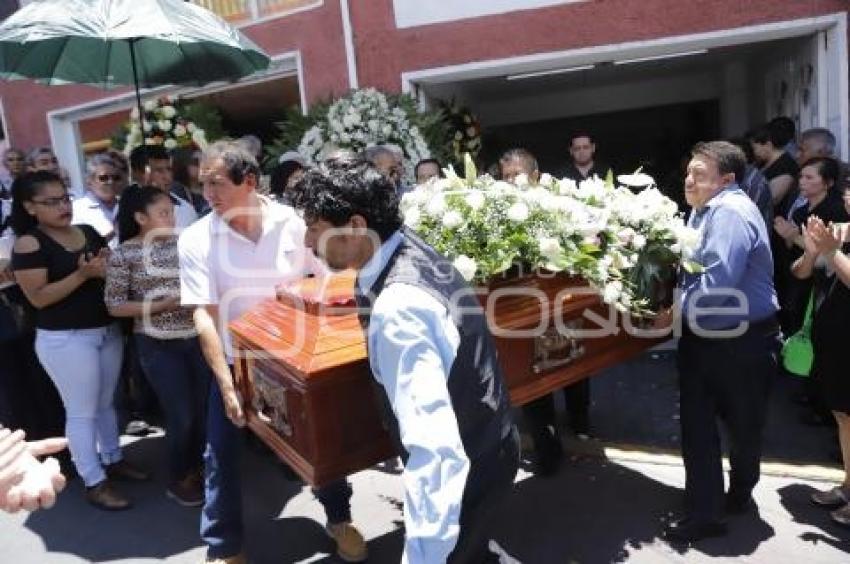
221	517
180	378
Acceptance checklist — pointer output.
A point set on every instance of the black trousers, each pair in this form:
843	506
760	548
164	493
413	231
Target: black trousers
724	380
540	413
488	484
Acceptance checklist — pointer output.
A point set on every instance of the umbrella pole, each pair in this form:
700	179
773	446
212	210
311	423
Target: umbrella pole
136	84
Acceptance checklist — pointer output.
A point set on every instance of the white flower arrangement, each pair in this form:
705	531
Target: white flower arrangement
624	244
362	119
163	125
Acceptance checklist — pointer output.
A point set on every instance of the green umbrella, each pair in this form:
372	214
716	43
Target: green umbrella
145	43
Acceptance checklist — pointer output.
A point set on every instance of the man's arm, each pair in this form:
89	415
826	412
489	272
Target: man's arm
206	324
412	344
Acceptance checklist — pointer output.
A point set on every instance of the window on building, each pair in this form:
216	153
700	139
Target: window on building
245	11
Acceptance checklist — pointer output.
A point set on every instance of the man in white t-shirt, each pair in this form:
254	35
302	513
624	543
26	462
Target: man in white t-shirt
230	260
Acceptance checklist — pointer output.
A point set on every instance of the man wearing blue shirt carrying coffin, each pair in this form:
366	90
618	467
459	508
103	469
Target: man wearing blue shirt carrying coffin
729	342
433	358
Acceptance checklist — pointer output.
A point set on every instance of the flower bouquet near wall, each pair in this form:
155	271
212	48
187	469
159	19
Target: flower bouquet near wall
172	123
620	242
363	118
464	132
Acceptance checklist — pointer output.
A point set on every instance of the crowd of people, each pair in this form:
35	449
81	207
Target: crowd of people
136	279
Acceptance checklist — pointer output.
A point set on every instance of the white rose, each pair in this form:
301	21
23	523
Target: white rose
546	179
164	125
521	180
436	205
452	219
412	218
147	126
612	292
518	212
135	129
169	112
466	266
374	125
470	132
170	144
191	127
476	199
179	130
550	247
639	241
150	105
567	186
387	130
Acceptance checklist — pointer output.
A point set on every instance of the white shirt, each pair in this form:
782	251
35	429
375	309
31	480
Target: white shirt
218	266
88	210
412	346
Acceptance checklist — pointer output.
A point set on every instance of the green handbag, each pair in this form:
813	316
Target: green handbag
798	354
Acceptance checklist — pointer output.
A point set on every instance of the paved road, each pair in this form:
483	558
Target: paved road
596	509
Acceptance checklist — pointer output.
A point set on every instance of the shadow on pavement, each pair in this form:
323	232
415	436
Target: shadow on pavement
795	500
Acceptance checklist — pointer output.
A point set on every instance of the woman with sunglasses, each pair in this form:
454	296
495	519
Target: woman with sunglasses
98	207
61	267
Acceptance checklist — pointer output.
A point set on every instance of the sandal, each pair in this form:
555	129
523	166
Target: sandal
842	515
835	497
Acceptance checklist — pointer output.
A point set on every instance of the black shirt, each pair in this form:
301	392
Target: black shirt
782	166
83	308
830	210
598	169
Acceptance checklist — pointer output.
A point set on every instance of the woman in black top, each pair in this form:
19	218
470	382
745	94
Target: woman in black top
817	182
825	260
60	268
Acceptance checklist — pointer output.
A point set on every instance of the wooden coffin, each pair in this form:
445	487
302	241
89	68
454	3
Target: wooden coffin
302	371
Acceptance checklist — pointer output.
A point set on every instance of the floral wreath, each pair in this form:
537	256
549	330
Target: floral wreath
464	131
363	119
169	122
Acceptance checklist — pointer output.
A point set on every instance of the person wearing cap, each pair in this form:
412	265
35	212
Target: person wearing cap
289	169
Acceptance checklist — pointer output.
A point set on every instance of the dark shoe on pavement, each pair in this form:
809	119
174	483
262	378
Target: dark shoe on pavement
836	497
738	505
124	471
104	496
687	530
188	492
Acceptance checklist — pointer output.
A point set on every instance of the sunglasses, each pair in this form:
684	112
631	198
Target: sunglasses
54	202
108	177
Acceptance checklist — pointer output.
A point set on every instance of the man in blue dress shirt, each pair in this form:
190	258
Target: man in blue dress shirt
432	356
729	344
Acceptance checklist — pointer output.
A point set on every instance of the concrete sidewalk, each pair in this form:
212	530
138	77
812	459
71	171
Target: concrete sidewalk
605	505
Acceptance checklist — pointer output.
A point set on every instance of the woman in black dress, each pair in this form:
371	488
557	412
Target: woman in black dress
826	260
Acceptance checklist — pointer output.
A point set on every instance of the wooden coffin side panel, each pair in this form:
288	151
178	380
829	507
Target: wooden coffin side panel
323	431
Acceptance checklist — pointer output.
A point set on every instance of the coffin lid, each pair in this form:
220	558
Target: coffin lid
312	326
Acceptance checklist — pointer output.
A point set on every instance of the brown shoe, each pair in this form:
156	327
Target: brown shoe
350	545
188	492
104	496
126	472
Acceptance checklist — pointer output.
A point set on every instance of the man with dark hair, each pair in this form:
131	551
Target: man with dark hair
729	344
786	133
432	356
151	166
426	169
583	164
230	260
